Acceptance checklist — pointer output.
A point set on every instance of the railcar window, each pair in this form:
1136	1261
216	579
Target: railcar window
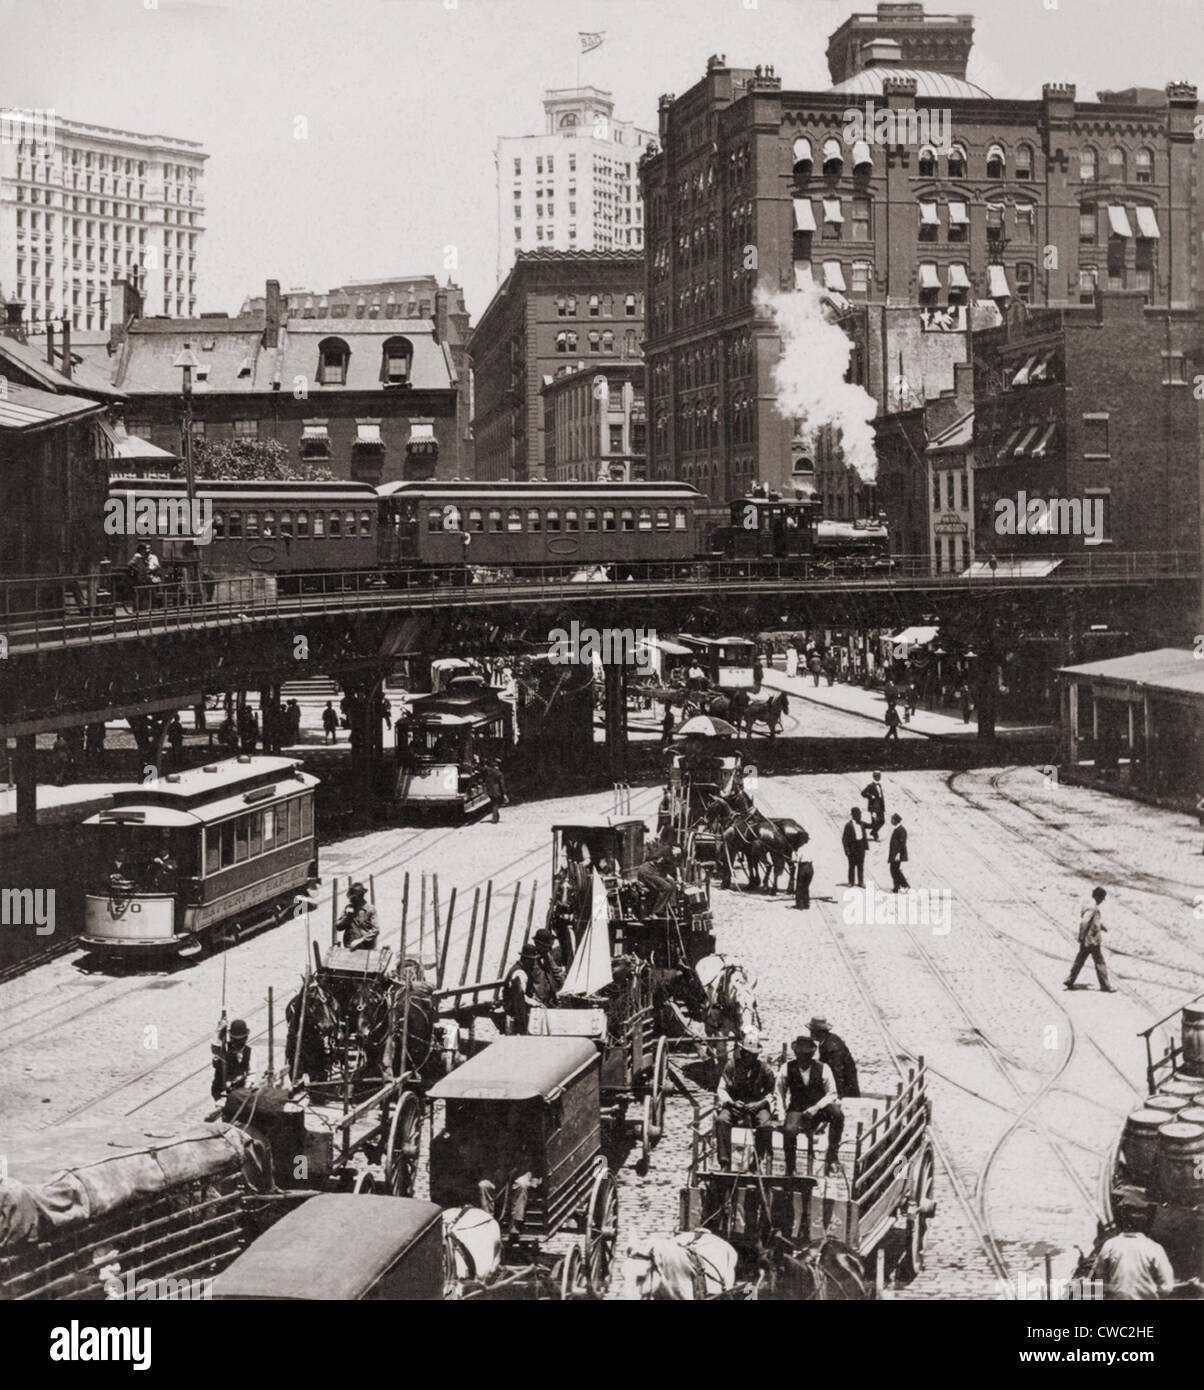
255	833
349	523
365	523
286	523
679	518
476	519
269	828
336	524
213	850
591	518
302	525
514	519
608	519
307	816
645	519
242	838
628	518
571	519
662	518
252	523
553	515
294	819
269	523
534	519
228	837
434	519
235	525
219	525
495	518
320	524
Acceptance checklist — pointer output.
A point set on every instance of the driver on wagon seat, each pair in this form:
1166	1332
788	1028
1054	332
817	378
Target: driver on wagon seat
358	922
661	861
745	1096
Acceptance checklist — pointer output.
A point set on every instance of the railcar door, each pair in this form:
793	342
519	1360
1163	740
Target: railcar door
397	532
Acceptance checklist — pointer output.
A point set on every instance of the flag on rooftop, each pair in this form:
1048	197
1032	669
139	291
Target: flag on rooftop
590	41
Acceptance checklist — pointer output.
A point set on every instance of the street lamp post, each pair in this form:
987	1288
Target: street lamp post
187	361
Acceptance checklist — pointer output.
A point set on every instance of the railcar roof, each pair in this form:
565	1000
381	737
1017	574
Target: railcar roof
335	1246
517	490
212	781
244	487
519	1068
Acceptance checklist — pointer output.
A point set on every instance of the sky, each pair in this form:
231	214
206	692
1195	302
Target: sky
399	103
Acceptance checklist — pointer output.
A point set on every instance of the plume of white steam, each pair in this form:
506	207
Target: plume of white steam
810	374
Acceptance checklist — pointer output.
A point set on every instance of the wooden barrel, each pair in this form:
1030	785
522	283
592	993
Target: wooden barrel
1180	1086
1192	1114
1169	1105
1139	1144
1179	1165
1193	1039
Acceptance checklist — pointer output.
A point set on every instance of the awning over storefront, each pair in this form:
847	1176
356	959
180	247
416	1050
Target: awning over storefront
1008	567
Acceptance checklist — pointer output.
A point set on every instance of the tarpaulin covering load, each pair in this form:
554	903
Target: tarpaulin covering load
104	1173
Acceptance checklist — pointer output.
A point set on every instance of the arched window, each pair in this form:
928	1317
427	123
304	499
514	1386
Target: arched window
568	119
561	342
1024	161
833	156
572	342
534	519
629	343
514	519
396	357
571	522
593	341
957	162
333	358
996	162
553	520
927	162
1144	165
608	341
1088	164
595	306
1116	162
802	156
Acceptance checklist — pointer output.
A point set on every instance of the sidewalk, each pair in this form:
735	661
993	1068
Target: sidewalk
871	704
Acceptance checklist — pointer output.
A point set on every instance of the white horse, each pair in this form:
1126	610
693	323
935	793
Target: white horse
472	1242
731	995
682	1268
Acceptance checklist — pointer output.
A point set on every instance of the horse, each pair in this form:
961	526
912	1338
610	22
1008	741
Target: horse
692	1265
824	1269
731	1002
380	1022
719	704
754	838
768	712
316	1056
472	1244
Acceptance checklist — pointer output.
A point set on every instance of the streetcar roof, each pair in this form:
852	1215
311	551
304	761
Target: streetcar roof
207	793
717	641
518	492
296	491
519	1068
334	1246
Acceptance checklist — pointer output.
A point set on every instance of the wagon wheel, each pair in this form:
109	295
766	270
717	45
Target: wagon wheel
652	1124
365	1182
405	1135
572	1280
923	1207
601	1232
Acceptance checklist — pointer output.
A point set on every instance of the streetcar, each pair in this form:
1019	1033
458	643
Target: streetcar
727	662
213	853
441	744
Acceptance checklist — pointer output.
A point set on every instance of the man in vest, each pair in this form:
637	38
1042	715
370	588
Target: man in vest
358	922
745	1096
808	1097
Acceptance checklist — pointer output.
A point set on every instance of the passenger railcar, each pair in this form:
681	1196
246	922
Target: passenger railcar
217	851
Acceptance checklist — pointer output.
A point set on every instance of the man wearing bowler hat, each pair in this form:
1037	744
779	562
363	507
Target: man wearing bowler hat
358	922
833	1052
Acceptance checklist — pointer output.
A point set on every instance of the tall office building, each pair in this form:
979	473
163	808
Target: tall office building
82	206
576	187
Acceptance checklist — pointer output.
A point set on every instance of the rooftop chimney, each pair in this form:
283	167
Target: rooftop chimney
50	343
271	315
881	52
14	325
66	347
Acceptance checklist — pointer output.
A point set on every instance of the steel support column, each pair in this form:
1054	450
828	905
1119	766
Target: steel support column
615	714
25	775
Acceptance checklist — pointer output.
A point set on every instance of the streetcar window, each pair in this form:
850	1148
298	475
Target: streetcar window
645	519
434	519
495	518
662	518
213	850
286	523
365	523
570	519
679	518
307	816
255	832
553	518
336	525
252	523
608	519
514	519
628	519
219	525
227	833
302	525
319	525
349	523
534	519
269	523
294	819
476	521
242	838
269	828
591	518
235	525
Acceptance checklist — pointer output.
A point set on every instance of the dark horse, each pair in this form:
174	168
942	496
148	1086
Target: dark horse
768	712
720	705
747	834
823	1269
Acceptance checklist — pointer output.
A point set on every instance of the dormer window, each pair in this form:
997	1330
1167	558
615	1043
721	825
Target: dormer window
333	358
996	162
396	359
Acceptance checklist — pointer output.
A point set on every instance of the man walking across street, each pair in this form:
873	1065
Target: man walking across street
495	785
892	722
896	855
804	872
855	842
875	801
1091	928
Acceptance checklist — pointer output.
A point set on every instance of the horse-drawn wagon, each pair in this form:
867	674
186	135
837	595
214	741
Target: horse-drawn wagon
522	1139
813	1230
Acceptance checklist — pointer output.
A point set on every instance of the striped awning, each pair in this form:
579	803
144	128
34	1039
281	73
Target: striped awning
318	433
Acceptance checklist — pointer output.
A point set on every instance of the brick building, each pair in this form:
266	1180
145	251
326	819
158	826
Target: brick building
556	312
374	399
914	239
595	424
1090	405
